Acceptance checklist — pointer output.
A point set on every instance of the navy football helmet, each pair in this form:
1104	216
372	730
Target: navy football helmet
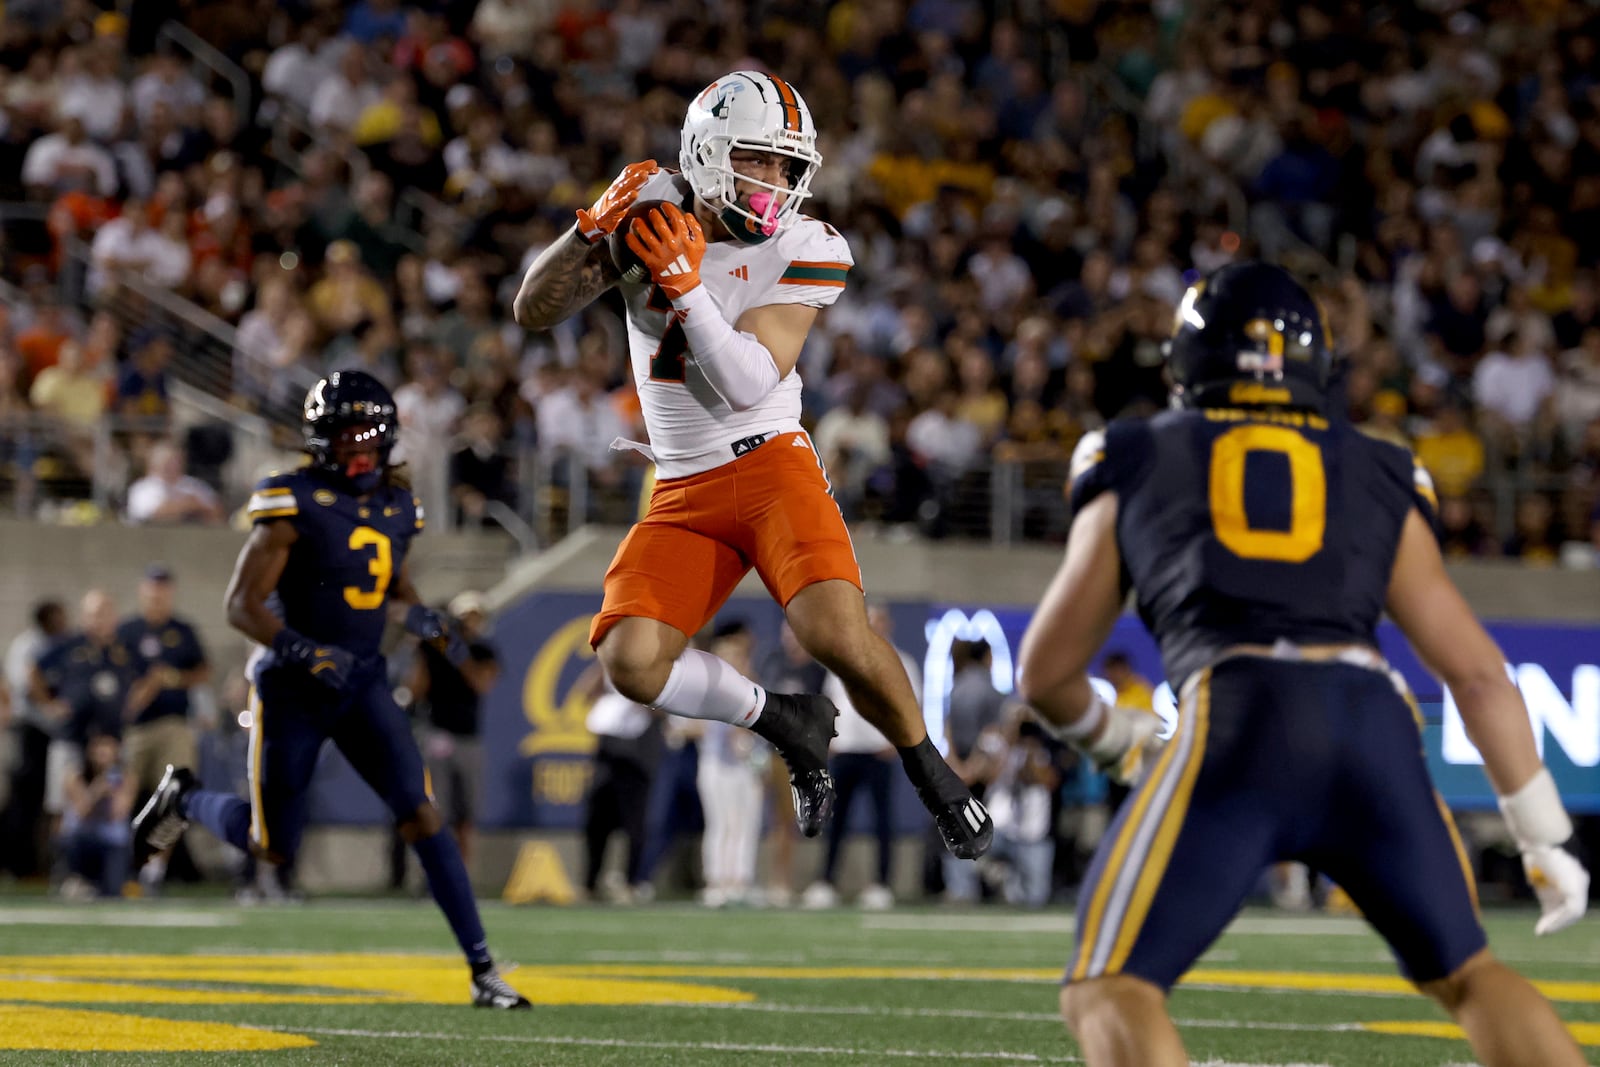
350	408
1249	334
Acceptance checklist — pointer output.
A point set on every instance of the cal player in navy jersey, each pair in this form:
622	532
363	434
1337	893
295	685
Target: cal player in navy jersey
322	574
1264	536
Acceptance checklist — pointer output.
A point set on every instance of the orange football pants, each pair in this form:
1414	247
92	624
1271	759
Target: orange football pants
769	509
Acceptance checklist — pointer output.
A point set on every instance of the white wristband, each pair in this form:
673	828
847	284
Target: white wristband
739	367
1084	725
1535	815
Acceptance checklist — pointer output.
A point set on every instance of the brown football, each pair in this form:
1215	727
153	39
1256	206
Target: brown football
628	265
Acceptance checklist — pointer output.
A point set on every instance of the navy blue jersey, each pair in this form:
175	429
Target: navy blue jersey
335	586
93	680
173	643
1224	525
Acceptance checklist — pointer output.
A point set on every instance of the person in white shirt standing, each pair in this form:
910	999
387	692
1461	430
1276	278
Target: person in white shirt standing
128	244
730	778
167	495
429	408
860	763
625	758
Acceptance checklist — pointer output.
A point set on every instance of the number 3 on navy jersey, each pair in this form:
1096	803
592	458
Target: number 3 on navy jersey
667	363
1308	495
380	566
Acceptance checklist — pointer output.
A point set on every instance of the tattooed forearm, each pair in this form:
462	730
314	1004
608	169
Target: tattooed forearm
565	278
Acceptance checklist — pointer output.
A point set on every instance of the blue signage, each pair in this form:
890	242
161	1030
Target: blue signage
1557	668
537	750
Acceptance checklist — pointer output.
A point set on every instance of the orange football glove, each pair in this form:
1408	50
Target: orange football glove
671	245
597	221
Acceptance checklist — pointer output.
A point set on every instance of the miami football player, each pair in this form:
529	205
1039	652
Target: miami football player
737	275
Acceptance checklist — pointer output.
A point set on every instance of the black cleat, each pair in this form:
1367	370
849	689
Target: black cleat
489	990
963	822
800	725
813	800
160	823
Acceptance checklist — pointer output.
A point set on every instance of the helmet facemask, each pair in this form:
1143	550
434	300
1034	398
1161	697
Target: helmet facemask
360	453
733	114
350	429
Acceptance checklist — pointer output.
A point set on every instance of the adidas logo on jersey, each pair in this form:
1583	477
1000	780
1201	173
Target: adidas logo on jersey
741	272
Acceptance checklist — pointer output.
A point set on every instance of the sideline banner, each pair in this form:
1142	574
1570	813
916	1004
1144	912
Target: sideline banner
537	750
1557	668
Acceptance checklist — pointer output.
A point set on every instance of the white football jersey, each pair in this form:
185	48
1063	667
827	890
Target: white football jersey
691	428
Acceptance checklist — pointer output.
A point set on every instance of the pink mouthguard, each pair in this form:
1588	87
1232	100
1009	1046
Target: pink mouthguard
765	205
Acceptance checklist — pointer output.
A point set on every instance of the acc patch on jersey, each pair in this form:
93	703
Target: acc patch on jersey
325	497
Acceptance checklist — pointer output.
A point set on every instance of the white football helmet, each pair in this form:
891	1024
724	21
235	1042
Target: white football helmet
760	112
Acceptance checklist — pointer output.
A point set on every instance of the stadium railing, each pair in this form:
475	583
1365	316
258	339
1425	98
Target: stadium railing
207	58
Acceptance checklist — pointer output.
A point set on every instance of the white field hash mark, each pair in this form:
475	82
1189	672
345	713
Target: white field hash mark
925	1055
1269	925
163	919
1000	1016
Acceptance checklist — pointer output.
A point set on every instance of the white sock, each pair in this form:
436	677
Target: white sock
701	686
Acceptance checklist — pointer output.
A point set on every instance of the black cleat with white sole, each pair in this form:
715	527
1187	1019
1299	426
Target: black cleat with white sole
160	823
489	990
800	725
963	822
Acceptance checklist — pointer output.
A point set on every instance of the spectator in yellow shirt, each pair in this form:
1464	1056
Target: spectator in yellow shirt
347	295
1452	452
70	390
1133	689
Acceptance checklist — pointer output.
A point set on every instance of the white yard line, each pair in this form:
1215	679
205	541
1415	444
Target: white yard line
674	956
926	1055
113	916
1276	926
997	1016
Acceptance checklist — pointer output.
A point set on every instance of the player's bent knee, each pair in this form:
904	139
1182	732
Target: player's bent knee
1119	994
636	661
837	641
422	823
1452	990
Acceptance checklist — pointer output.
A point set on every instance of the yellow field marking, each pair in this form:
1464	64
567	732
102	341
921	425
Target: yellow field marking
66	1030
1568	992
43	989
311	979
347	979
1587	1034
378	978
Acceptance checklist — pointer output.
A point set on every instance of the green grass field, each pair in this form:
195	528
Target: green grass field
350	982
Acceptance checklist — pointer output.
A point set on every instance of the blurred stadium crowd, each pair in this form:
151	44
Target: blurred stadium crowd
1027	187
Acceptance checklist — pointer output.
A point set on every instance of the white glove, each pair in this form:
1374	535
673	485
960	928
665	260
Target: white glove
1561	884
1128	743
1539	824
